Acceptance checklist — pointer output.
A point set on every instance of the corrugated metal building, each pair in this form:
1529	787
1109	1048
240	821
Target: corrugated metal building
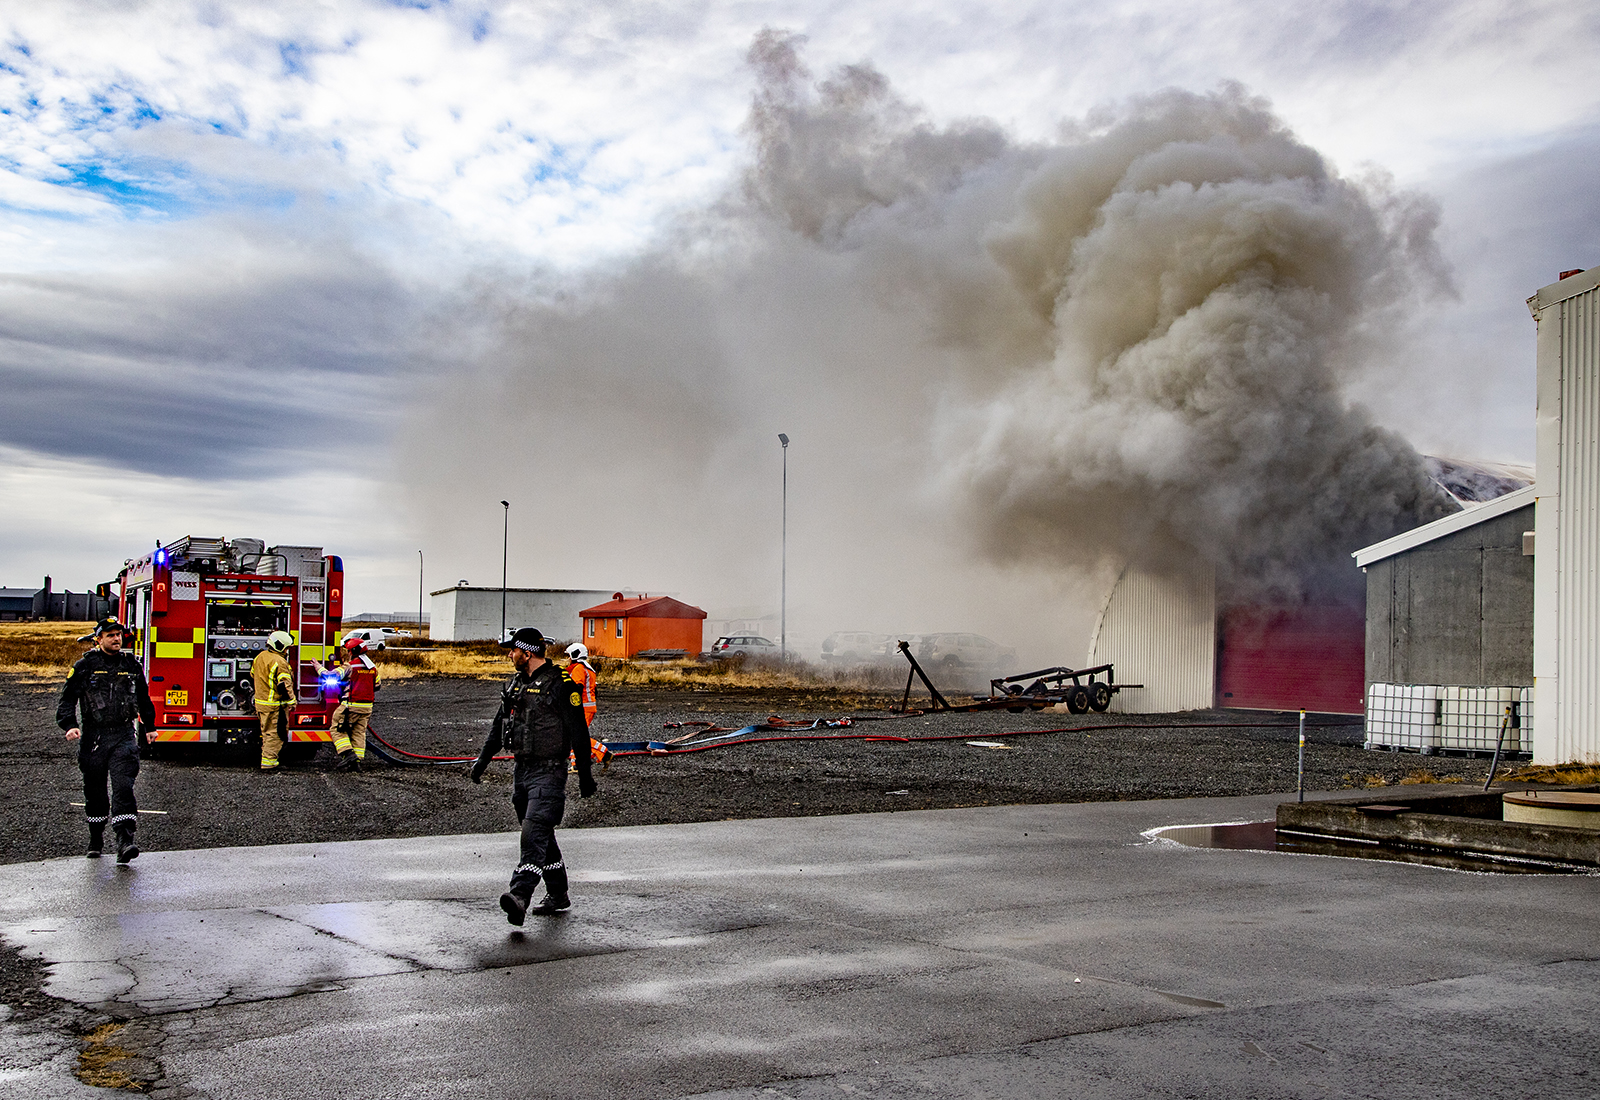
464	613
1566	603
1160	630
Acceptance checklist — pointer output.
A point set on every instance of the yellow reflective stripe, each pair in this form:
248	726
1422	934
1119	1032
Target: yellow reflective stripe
174	649
199	635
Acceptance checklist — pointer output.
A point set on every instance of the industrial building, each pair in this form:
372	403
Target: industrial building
1566	587
1449	631
625	627
464	613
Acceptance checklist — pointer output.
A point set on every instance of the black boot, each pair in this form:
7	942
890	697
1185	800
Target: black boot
515	905
97	836
127	850
552	904
347	762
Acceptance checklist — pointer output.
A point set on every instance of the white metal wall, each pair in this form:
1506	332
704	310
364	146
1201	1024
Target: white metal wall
1160	630
473	614
1566	606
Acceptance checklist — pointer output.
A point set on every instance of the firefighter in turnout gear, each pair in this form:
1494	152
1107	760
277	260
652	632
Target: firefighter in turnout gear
358	683
583	674
108	685
541	723
274	694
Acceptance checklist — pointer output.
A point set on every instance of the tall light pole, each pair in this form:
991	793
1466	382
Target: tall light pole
505	544
783	588
419	593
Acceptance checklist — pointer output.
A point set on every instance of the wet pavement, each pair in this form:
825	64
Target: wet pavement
1030	951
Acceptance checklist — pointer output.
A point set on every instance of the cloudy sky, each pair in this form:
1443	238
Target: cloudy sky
276	269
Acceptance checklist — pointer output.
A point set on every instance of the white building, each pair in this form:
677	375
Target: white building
465	613
1566	583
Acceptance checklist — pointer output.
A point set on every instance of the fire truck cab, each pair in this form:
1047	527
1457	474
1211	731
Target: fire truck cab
200	609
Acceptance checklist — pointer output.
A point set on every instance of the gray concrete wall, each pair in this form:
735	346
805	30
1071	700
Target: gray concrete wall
1455	611
472	614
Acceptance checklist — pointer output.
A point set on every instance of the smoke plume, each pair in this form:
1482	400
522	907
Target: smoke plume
1006	366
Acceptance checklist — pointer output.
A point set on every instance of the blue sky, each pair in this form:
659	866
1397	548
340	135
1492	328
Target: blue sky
243	244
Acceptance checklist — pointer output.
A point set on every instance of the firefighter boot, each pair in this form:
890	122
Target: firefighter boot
127	850
97	835
348	762
516	907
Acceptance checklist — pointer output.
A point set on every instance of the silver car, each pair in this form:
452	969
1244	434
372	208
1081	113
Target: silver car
743	645
856	647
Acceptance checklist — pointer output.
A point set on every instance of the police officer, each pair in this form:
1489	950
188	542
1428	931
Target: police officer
540	722
109	686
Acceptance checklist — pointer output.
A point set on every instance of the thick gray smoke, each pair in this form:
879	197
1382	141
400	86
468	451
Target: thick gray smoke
1007	368
1156	317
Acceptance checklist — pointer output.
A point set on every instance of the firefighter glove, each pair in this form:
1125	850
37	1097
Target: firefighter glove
586	786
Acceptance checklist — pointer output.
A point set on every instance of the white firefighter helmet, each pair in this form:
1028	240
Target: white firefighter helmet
280	641
578	651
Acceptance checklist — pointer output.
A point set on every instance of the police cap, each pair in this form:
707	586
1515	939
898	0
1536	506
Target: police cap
527	638
107	625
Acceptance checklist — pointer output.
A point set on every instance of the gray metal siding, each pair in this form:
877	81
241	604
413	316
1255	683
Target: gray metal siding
1161	631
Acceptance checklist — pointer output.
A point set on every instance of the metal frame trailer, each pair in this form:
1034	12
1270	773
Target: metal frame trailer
200	609
1049	687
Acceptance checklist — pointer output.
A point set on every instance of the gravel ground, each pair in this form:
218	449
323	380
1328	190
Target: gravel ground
212	797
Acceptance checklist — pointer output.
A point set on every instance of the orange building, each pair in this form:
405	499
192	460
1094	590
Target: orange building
623	627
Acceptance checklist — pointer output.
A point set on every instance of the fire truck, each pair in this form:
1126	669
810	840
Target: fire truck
200	609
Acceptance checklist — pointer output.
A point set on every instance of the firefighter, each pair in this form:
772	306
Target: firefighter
109	686
274	694
541	722
358	684
583	674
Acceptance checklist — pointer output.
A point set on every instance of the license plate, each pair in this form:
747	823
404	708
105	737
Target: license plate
177	698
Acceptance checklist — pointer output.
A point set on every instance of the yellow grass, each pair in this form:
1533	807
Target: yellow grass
1564	774
41	650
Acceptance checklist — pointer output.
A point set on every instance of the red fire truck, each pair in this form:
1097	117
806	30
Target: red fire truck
200	609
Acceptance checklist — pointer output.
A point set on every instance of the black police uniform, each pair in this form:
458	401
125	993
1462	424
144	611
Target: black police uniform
111	691
540	722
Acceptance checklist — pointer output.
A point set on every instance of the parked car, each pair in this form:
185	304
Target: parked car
377	637
961	651
856	647
743	645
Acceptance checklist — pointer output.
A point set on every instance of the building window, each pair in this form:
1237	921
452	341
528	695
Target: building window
591	628
619	628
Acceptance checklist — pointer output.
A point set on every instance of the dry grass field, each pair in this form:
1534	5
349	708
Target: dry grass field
41	651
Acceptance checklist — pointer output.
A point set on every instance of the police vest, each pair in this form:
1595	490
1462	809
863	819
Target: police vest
533	721
111	695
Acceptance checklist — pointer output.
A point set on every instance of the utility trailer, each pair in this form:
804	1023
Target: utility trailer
200	609
1085	692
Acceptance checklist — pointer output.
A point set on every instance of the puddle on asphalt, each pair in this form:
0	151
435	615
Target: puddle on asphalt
1263	836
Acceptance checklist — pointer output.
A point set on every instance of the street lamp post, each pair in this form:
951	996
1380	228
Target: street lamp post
505	544
419	592
783	587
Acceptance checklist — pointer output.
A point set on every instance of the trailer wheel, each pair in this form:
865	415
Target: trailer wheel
1099	696
1077	698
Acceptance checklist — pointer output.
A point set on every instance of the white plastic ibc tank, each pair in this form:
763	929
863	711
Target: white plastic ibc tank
1401	716
1470	717
1525	699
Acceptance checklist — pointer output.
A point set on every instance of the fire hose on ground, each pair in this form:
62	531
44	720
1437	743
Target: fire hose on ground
796	731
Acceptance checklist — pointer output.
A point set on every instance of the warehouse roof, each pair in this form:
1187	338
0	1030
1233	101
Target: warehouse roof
645	607
1470	516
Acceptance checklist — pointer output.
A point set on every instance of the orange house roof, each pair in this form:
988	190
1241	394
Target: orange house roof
646	607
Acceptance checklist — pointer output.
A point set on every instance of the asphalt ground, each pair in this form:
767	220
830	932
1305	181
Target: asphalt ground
204	797
1010	953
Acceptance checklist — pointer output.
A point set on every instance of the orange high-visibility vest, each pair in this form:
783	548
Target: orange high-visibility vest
585	678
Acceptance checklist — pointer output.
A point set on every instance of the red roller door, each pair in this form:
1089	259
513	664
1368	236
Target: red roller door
1286	658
